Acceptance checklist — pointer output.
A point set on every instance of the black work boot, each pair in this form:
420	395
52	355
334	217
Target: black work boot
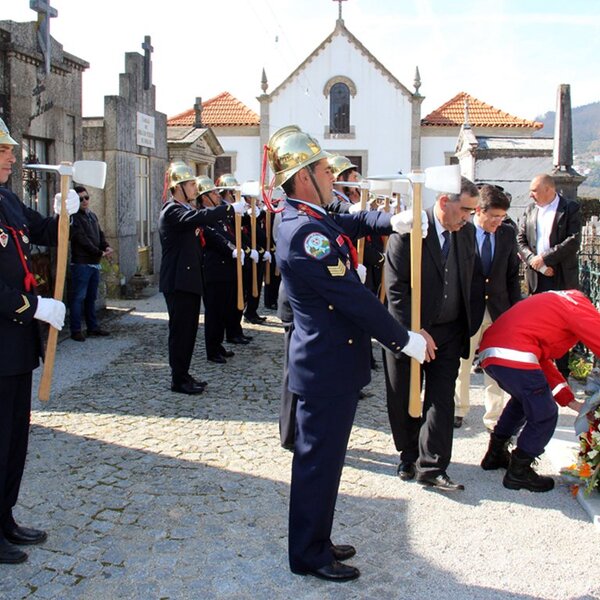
497	455
520	474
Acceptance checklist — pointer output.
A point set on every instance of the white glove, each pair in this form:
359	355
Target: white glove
402	222
234	256
362	272
256	211
254	256
240	207
354	208
51	311
416	346
267	256
72	202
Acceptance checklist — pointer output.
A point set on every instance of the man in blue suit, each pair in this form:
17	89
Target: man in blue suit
329	359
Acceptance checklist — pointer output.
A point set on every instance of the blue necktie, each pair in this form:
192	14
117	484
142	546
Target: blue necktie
445	246
486	253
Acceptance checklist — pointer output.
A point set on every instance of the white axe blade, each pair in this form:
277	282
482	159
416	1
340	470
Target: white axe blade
389	177
90	172
401	186
443	179
86	172
381	187
250	188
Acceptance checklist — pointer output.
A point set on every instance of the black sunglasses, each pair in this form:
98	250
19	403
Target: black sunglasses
82	198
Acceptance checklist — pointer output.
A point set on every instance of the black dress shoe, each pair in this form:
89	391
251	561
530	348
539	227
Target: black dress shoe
196	382
216	359
458	421
255	320
187	387
240	339
406	470
9	554
24	536
226	353
343	551
440	482
97	333
335	571
78	336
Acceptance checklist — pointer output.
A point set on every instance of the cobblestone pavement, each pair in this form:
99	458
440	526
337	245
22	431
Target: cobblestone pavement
149	494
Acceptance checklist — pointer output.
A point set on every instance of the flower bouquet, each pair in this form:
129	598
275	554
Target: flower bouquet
586	471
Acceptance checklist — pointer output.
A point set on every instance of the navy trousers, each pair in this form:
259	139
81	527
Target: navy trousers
531	404
15	409
322	433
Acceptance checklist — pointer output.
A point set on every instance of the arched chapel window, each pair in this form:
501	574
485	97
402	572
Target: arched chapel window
339	108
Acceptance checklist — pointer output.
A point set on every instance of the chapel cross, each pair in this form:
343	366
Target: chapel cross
340	8
148	49
45	13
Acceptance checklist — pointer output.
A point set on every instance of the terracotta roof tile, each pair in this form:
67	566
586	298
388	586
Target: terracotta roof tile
223	110
452	114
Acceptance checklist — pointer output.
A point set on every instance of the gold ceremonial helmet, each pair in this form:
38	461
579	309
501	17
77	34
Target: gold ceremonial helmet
179	172
227	181
339	164
5	135
290	150
205	184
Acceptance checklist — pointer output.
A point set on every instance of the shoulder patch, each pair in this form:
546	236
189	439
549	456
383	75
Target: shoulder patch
338	270
317	246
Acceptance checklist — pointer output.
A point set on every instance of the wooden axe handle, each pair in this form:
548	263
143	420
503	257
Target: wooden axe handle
360	244
59	287
414	403
268	236
253	241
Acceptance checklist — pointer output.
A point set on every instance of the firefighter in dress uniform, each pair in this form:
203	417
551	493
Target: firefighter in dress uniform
334	319
21	311
181	237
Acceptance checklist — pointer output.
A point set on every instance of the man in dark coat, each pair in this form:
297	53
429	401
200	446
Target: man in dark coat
496	287
21	310
549	238
88	247
181	237
425	444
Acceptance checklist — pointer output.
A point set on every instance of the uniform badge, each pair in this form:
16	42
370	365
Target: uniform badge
340	240
317	246
25	238
197	232
3	239
338	270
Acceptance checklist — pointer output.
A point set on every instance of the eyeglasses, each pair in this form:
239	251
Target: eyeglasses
82	198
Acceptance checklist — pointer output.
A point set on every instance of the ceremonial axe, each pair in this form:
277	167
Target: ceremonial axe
85	172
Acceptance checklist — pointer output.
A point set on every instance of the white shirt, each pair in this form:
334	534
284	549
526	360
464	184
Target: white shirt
545	220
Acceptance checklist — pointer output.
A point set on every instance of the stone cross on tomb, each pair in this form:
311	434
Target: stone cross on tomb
45	13
340	8
148	49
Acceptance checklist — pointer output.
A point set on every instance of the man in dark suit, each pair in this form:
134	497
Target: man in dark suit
21	311
425	444
181	237
334	317
549	238
496	287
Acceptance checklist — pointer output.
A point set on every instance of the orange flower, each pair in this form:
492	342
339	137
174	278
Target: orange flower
585	470
574	490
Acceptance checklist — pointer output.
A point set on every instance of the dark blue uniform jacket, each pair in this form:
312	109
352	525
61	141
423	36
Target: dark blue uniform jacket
334	314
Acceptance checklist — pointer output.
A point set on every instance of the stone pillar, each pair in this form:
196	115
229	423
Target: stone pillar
566	178
415	134
265	102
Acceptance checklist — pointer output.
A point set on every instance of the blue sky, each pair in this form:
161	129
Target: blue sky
510	53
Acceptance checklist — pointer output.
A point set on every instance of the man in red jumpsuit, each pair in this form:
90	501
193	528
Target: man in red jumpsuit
518	351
